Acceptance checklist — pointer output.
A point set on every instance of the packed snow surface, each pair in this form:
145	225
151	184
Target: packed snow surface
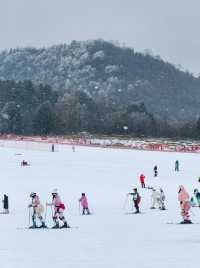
109	237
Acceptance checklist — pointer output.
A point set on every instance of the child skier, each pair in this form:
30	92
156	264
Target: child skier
37	211
155	171
177	165
183	198
136	199
5	204
155	199
59	208
142	177
197	195
84	203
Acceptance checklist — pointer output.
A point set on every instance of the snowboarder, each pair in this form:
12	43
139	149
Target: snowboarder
84	203
176	165
59	208
155	171
155	199
142	177
38	209
136	199
24	163
197	195
184	199
5	204
162	200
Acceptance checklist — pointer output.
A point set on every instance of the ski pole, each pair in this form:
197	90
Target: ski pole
29	216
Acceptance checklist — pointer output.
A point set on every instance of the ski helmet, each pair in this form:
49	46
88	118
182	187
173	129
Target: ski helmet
83	194
54	192
32	194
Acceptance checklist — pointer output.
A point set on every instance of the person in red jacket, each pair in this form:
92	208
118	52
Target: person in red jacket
142	177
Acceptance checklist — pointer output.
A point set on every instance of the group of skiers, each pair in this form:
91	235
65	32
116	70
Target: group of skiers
58	209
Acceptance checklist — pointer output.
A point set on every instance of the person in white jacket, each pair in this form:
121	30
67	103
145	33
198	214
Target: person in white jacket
155	199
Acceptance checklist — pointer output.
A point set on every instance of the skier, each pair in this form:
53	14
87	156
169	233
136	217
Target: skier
5	204
155	199
84	203
184	199
177	165
136	199
59	208
192	202
197	195
162	200
24	163
37	211
73	148
155	171
52	148
142	177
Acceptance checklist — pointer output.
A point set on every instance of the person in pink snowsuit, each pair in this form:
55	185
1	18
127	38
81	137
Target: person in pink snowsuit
84	203
184	199
59	208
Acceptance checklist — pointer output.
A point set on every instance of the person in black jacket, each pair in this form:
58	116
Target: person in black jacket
5	204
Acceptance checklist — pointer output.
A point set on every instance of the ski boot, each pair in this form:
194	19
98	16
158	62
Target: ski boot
186	222
43	225
65	225
56	226
34	226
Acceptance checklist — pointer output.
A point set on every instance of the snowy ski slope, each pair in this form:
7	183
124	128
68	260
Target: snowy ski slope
110	237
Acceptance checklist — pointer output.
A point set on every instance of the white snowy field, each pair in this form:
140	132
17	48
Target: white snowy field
110	237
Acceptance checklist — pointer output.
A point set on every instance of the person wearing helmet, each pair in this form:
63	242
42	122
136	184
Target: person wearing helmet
162	200
59	208
84	203
176	165
136	199
38	209
155	169
197	195
184	199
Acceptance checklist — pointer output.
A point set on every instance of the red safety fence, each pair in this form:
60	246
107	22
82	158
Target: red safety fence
109	143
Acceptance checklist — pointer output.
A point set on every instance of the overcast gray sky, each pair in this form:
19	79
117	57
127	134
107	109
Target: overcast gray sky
167	27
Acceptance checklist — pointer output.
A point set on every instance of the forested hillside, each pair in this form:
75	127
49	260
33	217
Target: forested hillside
98	86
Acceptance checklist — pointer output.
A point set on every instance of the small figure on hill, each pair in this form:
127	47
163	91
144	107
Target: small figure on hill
38	210
84	203
52	148
197	195
176	165
142	177
136	199
59	208
155	169
184	199
73	148
24	163
5	204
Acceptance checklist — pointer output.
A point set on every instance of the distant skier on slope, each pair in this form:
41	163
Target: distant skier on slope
59	208
142	177
84	203
176	165
197	195
192	202
37	211
5	204
136	199
184	199
24	163
155	169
